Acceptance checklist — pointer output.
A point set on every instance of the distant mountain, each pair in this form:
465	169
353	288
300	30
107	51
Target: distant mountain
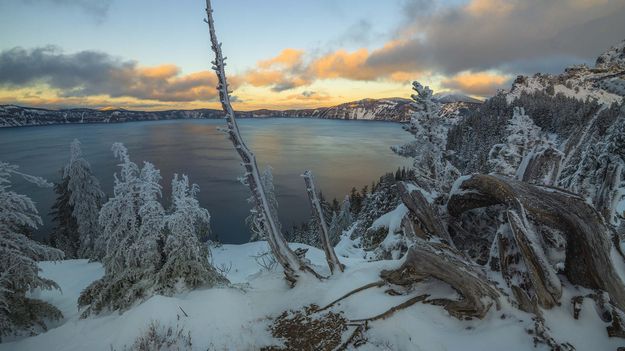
391	109
446	98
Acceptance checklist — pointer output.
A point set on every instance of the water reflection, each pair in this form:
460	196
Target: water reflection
341	154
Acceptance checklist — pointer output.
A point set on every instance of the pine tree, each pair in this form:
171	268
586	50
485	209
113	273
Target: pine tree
434	173
19	272
523	135
147	250
254	221
341	221
85	198
186	265
64	236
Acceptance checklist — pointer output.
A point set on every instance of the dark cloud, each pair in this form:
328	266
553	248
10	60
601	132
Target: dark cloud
284	85
89	73
308	93
511	35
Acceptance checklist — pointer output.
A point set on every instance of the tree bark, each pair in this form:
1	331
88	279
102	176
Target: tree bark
588	242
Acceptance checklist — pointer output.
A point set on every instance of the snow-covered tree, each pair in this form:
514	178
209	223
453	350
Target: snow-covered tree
64	236
186	258
527	154
434	173
19	254
523	135
254	220
85	197
147	250
341	221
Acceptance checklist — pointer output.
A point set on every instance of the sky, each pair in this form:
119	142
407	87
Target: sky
284	54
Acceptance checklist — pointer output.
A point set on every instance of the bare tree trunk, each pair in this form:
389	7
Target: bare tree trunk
289	261
439	261
331	258
588	245
425	222
542	165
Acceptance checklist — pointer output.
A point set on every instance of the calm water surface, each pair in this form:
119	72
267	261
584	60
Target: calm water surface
341	154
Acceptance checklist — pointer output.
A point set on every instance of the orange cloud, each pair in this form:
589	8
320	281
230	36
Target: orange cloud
477	83
159	72
287	58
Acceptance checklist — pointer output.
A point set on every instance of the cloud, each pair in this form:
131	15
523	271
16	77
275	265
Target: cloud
308	93
478	83
496	34
90	73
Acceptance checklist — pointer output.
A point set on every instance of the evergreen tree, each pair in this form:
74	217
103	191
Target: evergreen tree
523	135
148	251
341	221
434	173
254	221
85	199
186	265
19	272
64	236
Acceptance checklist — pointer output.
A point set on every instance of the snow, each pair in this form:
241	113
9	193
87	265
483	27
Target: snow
236	317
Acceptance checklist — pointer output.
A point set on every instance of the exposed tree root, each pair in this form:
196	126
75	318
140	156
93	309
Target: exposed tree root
379	283
393	309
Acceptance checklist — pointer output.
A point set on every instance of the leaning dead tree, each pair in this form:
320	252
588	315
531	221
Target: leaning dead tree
545	222
331	258
290	262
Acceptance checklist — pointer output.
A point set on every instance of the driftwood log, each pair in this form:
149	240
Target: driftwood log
588	244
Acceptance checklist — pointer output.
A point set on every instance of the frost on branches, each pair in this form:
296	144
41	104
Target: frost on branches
186	265
527	153
76	209
254	220
434	172
19	254
86	197
147	250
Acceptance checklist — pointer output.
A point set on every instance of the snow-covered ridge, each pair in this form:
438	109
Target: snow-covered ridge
604	83
391	109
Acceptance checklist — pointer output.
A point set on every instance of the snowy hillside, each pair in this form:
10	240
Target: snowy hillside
394	109
237	318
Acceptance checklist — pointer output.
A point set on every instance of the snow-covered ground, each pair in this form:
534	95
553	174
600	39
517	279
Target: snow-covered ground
236	318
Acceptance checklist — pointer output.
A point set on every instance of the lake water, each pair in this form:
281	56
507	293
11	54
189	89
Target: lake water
341	155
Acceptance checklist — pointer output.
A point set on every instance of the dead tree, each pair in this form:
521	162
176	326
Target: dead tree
588	245
423	221
439	261
542	165
289	261
331	258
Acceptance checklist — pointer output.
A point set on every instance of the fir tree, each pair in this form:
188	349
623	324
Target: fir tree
147	250
19	272
434	173
64	236
85	198
186	265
